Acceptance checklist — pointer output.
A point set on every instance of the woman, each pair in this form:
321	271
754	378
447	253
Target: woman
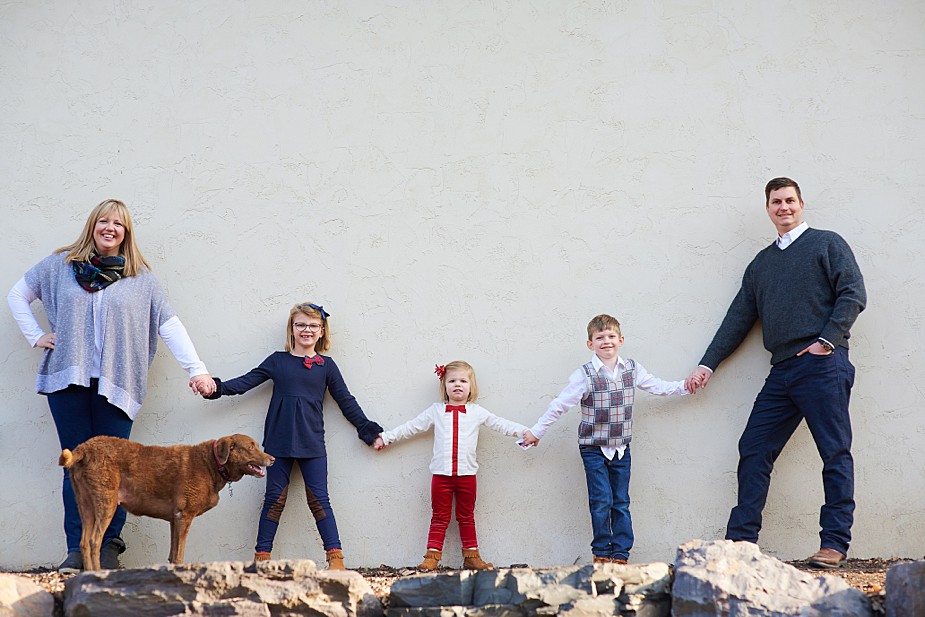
106	311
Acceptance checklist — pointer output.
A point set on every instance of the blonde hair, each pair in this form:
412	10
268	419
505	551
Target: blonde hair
603	322
84	247
324	341
460	365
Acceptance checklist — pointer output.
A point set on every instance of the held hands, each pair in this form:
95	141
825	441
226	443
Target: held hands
46	341
530	440
697	379
202	384
379	444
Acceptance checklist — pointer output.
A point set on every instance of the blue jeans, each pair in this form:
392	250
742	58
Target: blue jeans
81	413
818	389
315	476
609	500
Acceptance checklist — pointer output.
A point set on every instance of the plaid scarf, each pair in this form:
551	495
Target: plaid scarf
99	273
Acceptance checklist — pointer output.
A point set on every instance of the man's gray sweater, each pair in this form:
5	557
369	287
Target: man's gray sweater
811	289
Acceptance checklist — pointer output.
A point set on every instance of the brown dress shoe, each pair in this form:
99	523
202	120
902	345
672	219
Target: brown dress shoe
599	559
827	558
621	562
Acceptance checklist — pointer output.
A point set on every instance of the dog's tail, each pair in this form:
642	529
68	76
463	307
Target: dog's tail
67	458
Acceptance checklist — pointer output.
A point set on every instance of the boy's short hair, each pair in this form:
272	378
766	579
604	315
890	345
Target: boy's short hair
603	322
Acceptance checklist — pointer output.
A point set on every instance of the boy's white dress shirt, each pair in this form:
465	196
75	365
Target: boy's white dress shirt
579	387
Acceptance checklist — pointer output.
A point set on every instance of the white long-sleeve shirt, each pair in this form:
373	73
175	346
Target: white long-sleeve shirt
172	331
456	435
578	388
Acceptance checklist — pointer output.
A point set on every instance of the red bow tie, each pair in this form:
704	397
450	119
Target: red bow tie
459	408
316	359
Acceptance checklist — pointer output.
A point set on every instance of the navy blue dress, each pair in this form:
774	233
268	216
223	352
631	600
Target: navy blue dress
295	423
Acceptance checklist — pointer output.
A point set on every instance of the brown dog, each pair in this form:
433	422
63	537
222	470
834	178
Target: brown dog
173	483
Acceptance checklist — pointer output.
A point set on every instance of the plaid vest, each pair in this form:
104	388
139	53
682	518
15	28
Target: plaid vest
607	410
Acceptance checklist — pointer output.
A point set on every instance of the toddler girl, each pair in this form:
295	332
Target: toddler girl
456	424
294	428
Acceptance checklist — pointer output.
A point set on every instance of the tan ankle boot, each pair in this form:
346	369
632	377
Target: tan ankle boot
261	556
473	561
431	560
335	559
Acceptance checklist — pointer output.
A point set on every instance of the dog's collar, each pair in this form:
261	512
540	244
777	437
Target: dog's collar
221	468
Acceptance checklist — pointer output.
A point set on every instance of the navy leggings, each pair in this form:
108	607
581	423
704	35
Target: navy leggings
315	475
81	413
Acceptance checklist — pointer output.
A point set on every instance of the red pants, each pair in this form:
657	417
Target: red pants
442	491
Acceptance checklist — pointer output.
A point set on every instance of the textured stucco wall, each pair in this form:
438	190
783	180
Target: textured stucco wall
473	180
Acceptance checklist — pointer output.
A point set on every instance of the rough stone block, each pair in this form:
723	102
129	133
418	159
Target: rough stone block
241	589
734	578
905	589
20	597
442	589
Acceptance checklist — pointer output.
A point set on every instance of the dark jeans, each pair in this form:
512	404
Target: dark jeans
80	413
315	476
816	388
609	500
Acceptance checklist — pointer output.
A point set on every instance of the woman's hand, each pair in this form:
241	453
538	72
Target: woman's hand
202	384
46	340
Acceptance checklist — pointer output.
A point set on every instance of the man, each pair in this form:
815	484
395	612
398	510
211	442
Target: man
807	290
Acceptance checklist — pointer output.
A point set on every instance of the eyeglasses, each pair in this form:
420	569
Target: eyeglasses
311	327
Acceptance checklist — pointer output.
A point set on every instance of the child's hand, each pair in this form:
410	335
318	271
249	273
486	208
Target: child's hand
697	379
379	444
203	385
530	440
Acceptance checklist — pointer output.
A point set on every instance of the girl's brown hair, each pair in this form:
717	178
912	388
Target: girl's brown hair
324	341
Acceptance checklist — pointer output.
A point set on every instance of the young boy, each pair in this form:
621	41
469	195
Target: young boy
605	387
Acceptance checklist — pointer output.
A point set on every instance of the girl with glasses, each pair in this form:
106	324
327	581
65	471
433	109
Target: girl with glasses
294	428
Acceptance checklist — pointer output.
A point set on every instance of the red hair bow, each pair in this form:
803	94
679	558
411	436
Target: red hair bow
440	370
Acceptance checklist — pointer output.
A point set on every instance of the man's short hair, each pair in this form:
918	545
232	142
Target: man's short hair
780	183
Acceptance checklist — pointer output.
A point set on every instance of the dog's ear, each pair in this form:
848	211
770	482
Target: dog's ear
223	450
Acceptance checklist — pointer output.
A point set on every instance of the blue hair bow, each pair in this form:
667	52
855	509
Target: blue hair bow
320	309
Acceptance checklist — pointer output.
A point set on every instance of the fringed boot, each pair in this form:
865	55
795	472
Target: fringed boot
335	559
431	560
473	561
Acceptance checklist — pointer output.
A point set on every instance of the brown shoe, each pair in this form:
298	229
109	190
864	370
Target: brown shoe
621	562
335	559
827	558
431	560
261	556
473	561
599	559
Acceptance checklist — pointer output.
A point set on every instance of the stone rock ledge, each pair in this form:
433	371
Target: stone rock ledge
226	589
576	591
725	578
708	579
